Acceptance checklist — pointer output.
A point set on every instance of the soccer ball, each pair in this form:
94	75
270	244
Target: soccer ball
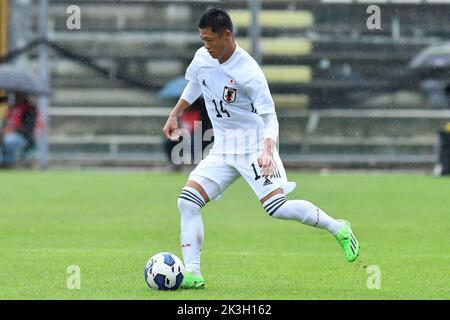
164	271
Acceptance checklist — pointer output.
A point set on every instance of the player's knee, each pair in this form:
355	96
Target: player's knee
186	206
274	204
190	201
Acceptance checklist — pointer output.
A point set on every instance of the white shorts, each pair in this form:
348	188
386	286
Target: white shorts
223	170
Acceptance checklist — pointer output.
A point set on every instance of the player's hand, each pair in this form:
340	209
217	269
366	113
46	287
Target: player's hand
171	128
265	162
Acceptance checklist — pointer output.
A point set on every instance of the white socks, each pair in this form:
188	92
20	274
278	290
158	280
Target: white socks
301	210
190	203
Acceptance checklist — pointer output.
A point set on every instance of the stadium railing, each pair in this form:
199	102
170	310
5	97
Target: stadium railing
311	147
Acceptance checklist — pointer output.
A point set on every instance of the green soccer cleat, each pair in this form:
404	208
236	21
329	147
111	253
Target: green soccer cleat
348	242
192	282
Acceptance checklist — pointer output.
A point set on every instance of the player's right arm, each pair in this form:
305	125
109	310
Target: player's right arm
189	95
171	127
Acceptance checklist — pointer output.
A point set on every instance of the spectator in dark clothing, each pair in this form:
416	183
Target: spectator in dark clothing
195	114
17	133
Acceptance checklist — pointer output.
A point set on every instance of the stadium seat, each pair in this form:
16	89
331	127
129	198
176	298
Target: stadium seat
280	46
287	74
291	101
279	19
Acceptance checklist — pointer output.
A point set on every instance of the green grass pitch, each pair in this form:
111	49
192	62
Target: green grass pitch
109	224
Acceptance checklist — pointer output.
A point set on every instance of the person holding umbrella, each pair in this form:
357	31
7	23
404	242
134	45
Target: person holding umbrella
17	133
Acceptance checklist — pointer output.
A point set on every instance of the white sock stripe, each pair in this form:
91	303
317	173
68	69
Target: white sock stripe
200	203
271	205
198	197
190	199
194	193
278	206
275	206
272	200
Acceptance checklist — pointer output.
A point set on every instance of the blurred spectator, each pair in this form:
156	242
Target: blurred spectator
190	121
3	109
17	133
435	93
442	166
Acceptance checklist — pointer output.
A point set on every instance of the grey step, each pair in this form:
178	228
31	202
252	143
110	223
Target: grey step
124	44
363	123
120	17
99	126
92	121
102	97
68	158
73	73
358	150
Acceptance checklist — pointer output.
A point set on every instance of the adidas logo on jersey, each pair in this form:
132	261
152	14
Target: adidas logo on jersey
204	83
267	182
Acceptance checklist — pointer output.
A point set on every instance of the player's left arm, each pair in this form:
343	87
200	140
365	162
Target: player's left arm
259	92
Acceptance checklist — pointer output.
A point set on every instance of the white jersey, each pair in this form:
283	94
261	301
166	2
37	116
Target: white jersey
235	92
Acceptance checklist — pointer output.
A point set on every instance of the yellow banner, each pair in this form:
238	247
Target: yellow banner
3	27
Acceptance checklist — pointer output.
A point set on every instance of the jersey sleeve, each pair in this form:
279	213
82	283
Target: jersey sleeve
271	126
259	92
191	71
191	92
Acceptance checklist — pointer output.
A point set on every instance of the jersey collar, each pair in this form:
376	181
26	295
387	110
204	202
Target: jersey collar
233	55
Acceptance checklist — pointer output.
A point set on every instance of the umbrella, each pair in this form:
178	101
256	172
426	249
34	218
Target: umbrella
173	89
435	56
13	78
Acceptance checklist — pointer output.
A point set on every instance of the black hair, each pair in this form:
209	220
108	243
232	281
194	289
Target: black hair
216	19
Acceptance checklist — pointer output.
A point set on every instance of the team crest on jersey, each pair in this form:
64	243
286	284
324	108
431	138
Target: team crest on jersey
229	94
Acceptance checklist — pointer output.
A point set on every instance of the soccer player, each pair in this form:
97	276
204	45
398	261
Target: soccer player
245	125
